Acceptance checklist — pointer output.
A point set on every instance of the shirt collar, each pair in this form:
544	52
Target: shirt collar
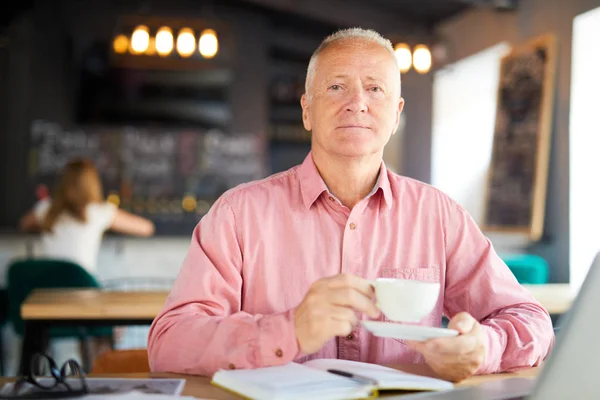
312	185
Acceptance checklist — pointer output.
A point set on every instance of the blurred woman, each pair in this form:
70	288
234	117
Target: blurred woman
74	220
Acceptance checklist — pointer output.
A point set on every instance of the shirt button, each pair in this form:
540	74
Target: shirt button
350	336
352	226
231	366
331	198
279	353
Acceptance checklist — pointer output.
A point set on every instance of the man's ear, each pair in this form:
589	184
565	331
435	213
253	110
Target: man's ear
398	112
305	108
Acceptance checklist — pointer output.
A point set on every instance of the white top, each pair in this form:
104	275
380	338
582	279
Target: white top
74	240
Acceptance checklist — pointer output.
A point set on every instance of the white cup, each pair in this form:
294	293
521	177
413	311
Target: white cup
405	300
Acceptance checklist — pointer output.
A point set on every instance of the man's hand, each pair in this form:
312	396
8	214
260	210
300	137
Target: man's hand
455	358
329	309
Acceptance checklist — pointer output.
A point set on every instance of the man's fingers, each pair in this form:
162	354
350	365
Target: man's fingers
458	357
350	297
341	313
463	322
352	281
340	328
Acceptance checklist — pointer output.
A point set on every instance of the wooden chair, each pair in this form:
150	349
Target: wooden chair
122	362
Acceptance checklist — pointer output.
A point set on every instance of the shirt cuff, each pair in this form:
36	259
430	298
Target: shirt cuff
494	348
277	339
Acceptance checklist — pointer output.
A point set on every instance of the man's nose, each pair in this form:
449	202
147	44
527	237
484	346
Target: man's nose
357	101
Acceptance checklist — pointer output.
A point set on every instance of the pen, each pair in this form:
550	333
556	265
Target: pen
365	380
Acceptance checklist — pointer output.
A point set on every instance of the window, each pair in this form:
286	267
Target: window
464	110
584	146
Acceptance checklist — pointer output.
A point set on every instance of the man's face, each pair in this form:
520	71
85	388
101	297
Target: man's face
355	105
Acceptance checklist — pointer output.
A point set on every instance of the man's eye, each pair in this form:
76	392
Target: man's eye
335	87
375	89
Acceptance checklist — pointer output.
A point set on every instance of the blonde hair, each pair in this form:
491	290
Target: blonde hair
367	35
79	185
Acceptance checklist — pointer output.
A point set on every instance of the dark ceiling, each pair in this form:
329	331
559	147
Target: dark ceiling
426	12
412	17
401	17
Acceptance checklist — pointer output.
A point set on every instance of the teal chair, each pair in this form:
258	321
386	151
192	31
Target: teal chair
24	276
527	268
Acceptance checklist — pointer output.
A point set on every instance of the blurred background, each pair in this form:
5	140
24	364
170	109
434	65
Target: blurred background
177	101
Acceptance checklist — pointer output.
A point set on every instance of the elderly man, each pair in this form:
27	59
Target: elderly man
278	270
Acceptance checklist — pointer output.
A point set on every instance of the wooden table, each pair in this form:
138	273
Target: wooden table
555	297
200	386
46	308
92	304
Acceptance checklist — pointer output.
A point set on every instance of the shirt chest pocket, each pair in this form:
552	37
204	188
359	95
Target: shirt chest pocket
428	274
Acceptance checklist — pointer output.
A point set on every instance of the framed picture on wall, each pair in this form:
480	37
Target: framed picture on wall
517	179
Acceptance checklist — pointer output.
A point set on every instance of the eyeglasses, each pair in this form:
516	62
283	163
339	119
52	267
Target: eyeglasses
65	382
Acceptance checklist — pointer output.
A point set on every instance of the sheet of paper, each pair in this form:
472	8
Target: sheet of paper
290	381
388	378
291	377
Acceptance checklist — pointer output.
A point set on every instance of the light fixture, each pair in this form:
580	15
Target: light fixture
208	45
164	41
168	40
422	59
404	57
140	39
121	44
186	42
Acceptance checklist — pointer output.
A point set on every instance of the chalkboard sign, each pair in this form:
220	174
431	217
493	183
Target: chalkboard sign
516	189
51	147
171	176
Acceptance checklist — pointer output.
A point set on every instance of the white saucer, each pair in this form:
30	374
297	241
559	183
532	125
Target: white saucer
407	332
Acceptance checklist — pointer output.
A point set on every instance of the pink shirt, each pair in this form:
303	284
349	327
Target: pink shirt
253	257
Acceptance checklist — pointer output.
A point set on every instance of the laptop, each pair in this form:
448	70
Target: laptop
571	370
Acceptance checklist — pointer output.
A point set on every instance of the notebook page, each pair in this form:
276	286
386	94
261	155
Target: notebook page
290	381
387	378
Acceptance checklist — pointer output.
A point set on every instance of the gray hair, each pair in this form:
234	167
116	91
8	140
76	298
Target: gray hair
367	35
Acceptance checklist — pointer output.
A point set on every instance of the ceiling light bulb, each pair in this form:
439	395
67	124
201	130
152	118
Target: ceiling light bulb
140	39
208	43
186	42
422	59
121	44
164	41
403	56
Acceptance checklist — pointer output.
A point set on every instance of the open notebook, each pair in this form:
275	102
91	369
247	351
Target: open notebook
312	380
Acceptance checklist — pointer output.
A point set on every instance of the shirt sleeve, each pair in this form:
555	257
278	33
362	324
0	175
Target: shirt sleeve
101	215
518	330
201	328
106	214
